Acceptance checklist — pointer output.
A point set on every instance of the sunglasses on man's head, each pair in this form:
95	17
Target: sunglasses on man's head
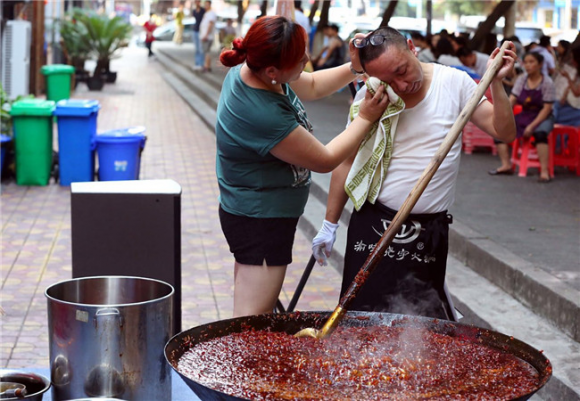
372	38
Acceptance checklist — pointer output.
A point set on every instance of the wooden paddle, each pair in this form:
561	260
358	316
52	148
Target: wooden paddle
389	234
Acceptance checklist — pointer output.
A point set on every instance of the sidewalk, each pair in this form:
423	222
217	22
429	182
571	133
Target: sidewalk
36	237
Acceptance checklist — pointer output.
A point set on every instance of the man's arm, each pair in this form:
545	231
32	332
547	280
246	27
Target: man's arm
498	119
209	29
337	196
329	50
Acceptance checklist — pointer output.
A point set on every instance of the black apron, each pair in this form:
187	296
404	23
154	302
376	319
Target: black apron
410	279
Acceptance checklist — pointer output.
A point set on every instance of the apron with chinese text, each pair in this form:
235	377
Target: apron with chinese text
410	278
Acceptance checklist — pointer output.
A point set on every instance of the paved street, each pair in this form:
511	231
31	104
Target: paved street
537	226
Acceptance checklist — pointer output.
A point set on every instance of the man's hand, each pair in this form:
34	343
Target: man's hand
509	59
323	242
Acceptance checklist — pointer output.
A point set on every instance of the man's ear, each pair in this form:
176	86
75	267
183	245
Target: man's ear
412	47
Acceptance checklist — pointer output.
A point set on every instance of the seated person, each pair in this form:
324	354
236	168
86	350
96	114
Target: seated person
567	110
333	54
536	93
445	53
425	54
475	60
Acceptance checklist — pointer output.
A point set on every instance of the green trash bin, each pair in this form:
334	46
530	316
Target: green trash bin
33	140
58	81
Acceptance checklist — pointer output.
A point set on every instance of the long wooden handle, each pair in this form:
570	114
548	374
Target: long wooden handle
389	234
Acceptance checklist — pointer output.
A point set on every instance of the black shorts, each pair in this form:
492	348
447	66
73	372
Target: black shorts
253	240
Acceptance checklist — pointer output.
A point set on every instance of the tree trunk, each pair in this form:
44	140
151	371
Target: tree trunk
389	11
576	42
323	22
242	7
487	26
264	8
313	11
429	7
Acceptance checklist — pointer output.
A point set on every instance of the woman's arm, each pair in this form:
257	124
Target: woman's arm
573	86
316	85
301	148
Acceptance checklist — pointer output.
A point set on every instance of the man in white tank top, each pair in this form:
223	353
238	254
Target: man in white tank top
410	277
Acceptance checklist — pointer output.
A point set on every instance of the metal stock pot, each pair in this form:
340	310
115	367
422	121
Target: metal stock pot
107	336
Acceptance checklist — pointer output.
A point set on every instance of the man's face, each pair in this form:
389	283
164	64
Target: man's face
398	67
469	60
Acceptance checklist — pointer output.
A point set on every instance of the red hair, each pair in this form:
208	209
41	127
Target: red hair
271	41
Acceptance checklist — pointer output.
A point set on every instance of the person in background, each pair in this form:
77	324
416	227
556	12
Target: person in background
411	276
333	54
198	12
149	27
562	53
206	34
567	110
458	42
425	54
536	93
520	51
302	19
265	151
445	54
490	43
227	34
544	48
178	35
473	59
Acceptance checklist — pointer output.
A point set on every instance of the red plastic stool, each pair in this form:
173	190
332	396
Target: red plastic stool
568	153
474	137
525	156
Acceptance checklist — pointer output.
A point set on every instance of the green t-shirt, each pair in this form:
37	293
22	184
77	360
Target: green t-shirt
250	122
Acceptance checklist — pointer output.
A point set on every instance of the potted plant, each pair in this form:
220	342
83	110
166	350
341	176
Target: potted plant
106	36
76	45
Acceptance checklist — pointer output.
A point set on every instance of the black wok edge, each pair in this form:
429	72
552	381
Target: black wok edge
293	322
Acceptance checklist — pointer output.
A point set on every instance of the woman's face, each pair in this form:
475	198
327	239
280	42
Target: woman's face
531	64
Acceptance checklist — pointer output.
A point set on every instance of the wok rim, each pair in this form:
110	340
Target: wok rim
502	342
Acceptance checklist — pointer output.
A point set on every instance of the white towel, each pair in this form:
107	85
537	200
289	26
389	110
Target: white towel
374	155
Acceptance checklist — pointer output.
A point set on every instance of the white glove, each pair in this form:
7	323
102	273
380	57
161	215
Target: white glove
323	242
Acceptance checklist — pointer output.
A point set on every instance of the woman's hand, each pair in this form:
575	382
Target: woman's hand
528	131
372	107
509	59
354	59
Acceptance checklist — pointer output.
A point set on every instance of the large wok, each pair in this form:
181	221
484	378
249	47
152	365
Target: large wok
293	322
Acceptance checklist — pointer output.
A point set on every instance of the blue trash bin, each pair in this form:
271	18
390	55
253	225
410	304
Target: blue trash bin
4	140
77	130
119	153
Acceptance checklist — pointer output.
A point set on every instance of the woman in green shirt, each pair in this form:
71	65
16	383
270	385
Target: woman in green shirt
266	150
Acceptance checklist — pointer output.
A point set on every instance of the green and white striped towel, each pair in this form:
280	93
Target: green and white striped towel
374	154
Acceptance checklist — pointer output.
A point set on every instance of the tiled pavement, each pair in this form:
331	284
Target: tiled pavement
36	227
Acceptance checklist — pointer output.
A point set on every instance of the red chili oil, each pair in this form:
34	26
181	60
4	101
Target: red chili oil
371	363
